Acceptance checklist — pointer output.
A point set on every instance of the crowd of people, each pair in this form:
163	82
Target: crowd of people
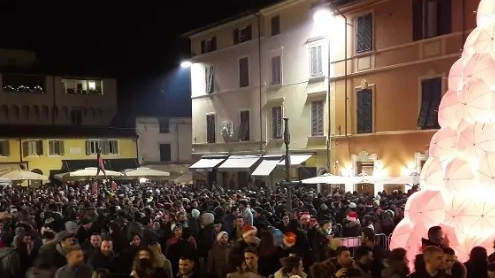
148	231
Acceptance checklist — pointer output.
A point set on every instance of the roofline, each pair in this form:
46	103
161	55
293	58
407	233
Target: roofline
280	5
221	23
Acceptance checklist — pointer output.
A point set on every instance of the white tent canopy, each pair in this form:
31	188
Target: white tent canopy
18	175
86	173
327	179
144	172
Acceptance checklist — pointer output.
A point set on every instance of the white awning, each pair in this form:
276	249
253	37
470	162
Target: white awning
296	159
265	168
206	163
239	163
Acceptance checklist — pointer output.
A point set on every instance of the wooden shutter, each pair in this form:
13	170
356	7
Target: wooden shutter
425	104
249	32
88	147
244	126
417	19
434	88
276	70
235	36
444	17
275	24
277	122
364	111
209	79
243	72
25	148
364	33
316	61
39	147
317	118
61	147
203	46
210	128
213	44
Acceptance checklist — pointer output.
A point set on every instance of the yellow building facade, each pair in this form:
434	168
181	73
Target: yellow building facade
57	149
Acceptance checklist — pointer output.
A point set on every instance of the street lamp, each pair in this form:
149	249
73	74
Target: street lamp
186	64
287	183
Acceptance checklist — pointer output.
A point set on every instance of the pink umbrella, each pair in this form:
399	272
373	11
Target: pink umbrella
471	41
443	144
475	140
456	75
476	101
401	234
428	207
432	174
448	110
486	170
459	175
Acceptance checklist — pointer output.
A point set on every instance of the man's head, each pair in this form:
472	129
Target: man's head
435	234
242	205
75	255
186	264
363	255
449	257
106	247
343	256
251	258
223	238
95	240
239	221
249	234
433	257
65	239
368	237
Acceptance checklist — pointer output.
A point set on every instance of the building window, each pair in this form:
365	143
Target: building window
209	45
431	95
364	111
277	119
242	35
276	70
32	148
76	116
364	33
244	72
106	146
210	128
4	148
275	25
431	18
83	87
165	153
316	61
244	126
56	147
164	125
317	111
209	79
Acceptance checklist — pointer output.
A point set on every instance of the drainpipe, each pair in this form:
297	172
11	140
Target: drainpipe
177	140
346	77
260	83
21	160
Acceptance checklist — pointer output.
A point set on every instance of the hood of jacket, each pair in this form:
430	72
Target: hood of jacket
5	251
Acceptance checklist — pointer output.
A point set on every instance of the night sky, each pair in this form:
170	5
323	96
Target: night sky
137	44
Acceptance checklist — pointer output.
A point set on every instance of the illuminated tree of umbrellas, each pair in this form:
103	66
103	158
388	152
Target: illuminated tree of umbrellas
458	179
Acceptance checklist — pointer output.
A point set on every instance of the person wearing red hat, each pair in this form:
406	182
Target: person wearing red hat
249	239
249	234
352	226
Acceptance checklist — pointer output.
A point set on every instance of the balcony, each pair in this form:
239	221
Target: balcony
16	83
82	87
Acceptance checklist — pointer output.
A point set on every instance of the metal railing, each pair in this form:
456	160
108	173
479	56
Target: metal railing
352	242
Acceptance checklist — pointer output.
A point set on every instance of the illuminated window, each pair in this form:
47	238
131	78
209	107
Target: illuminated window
92	85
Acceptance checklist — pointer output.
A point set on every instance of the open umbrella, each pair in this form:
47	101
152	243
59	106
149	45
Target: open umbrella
18	175
144	172
327	179
86	173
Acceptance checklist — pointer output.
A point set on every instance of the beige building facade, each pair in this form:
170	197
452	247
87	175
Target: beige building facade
360	84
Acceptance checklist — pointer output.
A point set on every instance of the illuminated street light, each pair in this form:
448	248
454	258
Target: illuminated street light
322	16
186	64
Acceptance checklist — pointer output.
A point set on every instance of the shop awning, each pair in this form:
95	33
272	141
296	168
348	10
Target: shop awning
239	163
265	168
206	163
296	159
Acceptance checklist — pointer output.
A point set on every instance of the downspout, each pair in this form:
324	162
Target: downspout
21	160
177	139
137	150
260	83
346	76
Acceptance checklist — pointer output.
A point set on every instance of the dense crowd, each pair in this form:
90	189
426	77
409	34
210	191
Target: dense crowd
150	230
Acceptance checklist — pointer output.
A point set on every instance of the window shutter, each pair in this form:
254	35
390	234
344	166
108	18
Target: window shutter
435	92
319	61
203	46
276	70
425	104
277	122
320	118
417	20
313	119
275	24
209	79
364	40
313	58
249	32
25	148
210	128
88	147
6	148
364	111
236	36
39	147
244	126
243	72
213	44
61	146
105	147
444	17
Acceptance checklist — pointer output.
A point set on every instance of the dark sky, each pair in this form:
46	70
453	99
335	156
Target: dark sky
136	43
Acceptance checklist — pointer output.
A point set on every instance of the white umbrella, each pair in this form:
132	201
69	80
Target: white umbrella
326	179
411	179
364	178
18	175
143	172
86	173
